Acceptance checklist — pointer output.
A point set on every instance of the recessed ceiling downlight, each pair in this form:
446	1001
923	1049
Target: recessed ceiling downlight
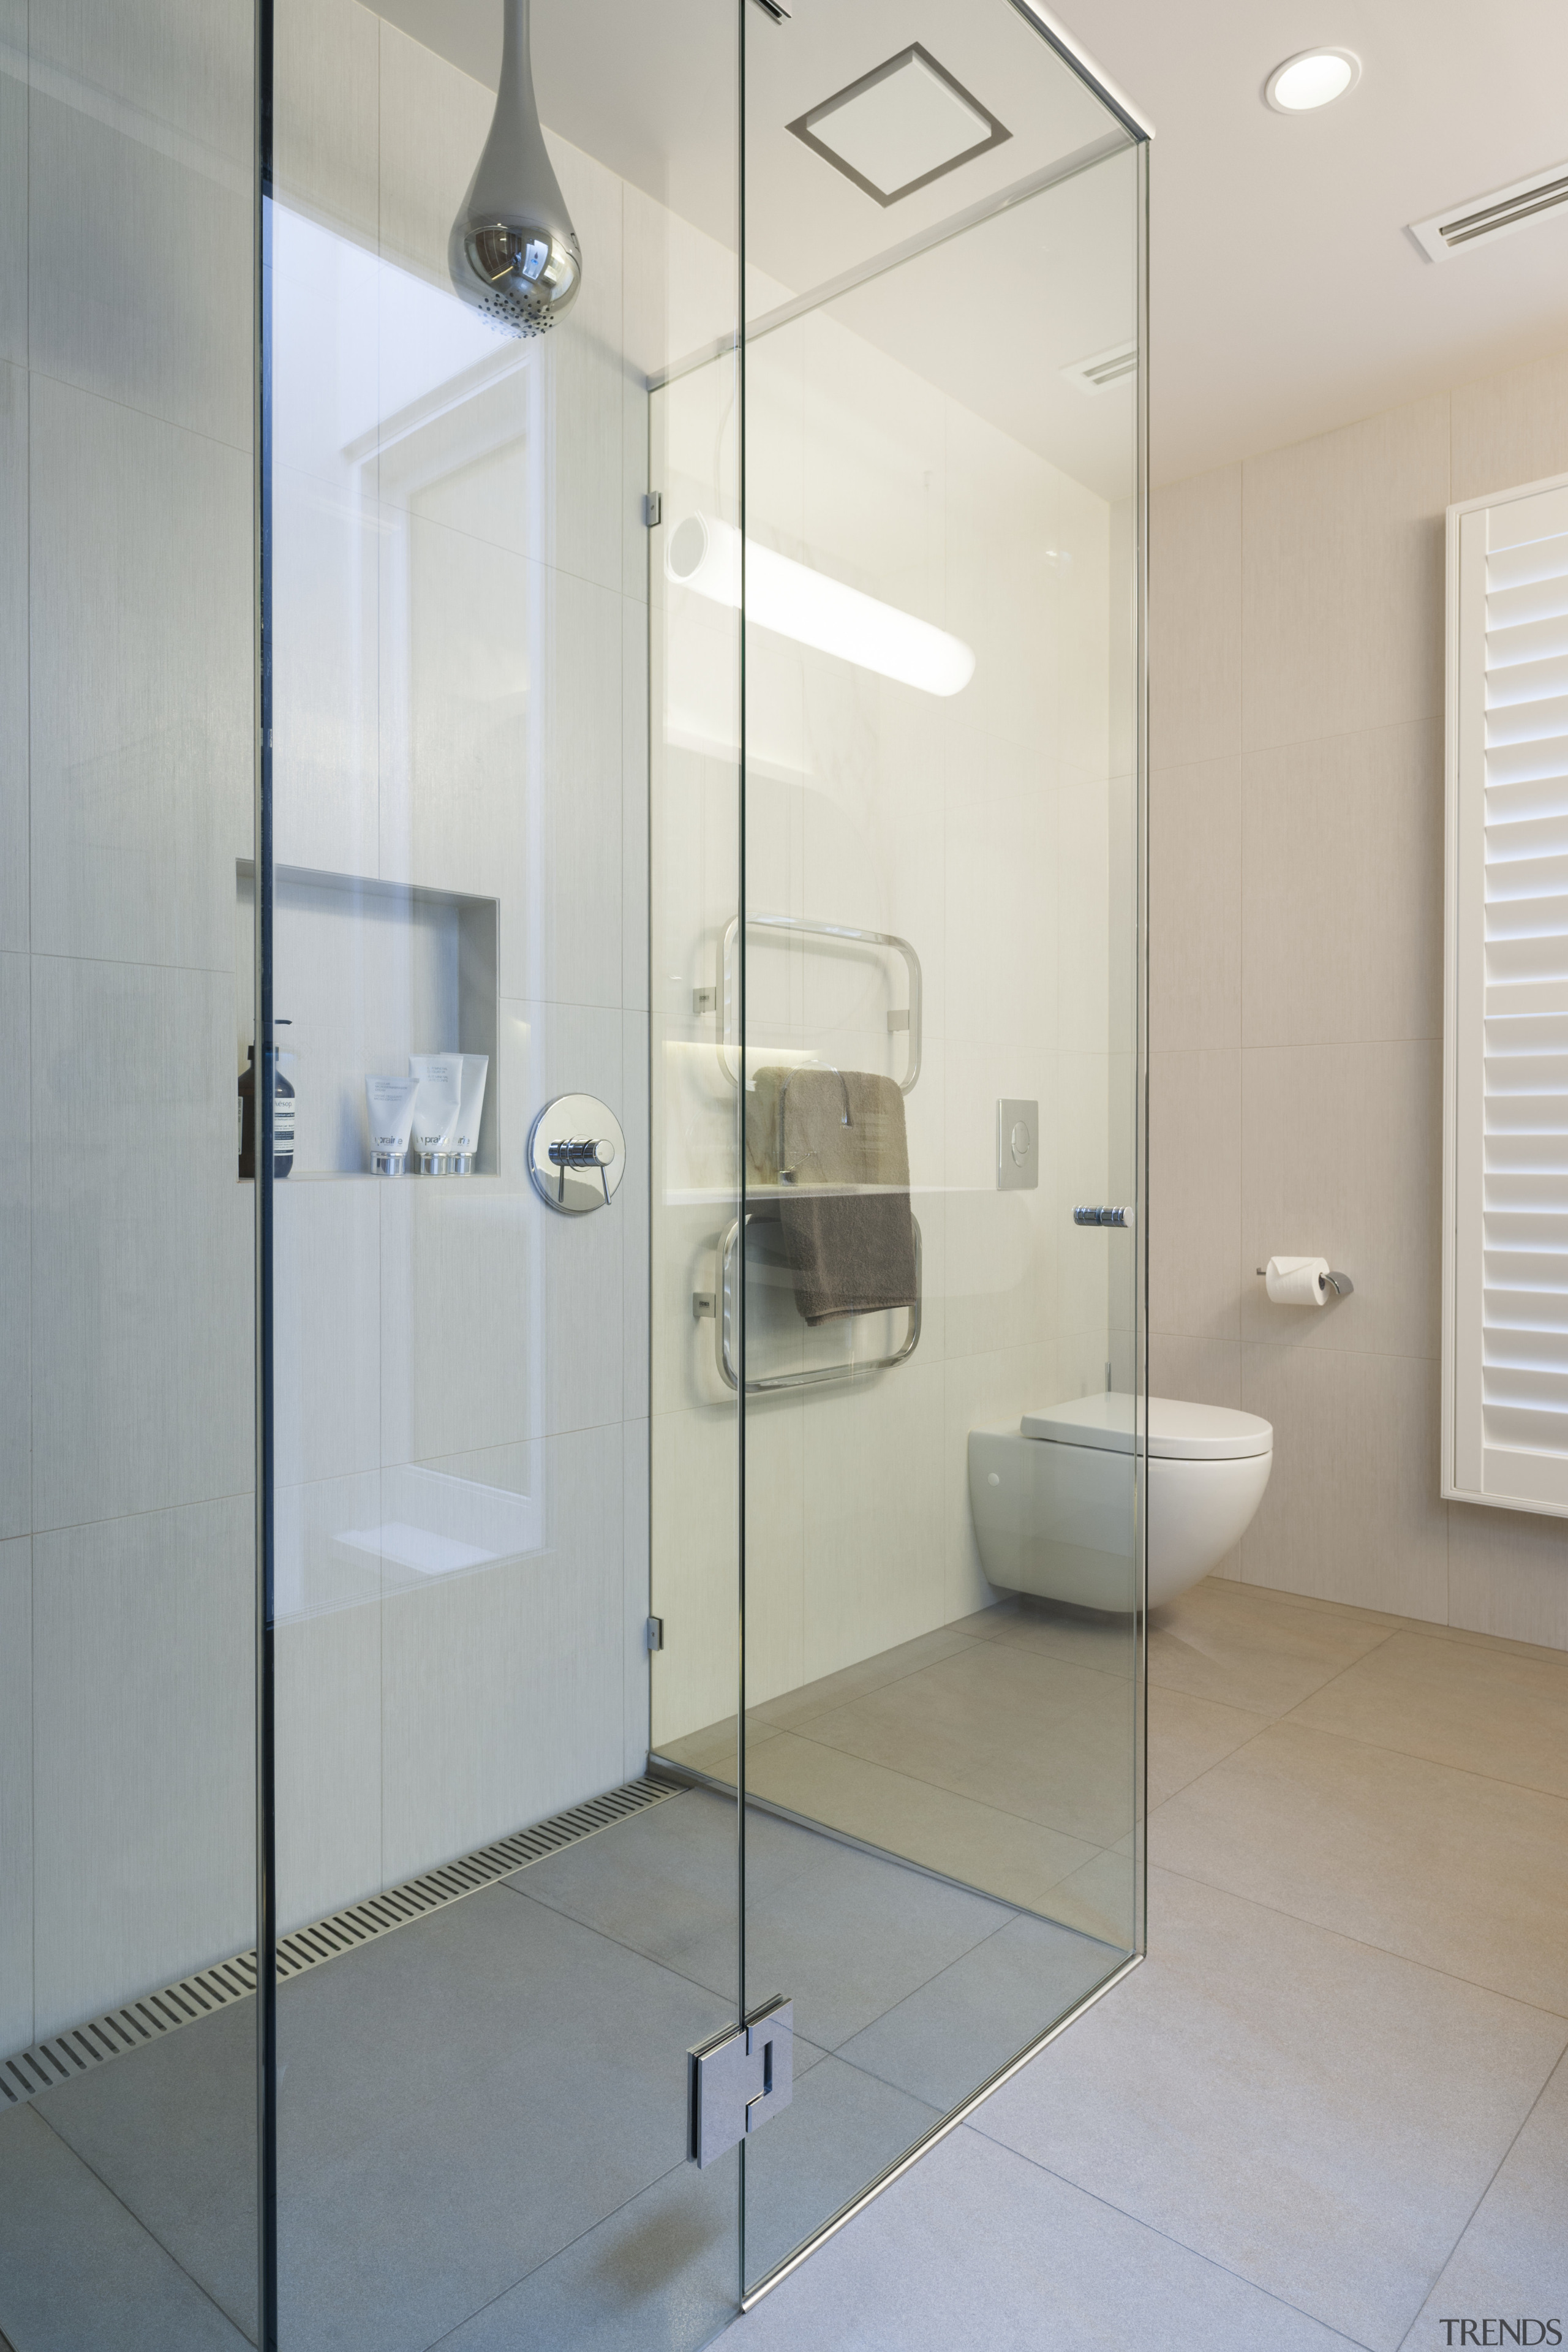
1316	78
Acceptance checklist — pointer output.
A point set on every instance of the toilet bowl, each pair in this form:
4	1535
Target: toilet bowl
1054	1506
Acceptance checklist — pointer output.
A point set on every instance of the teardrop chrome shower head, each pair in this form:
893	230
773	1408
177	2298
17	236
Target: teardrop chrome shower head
513	252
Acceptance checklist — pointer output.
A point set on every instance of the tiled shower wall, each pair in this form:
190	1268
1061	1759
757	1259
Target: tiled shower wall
992	830
1297	652
471	1333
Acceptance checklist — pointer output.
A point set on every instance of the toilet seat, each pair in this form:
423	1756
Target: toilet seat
1178	1431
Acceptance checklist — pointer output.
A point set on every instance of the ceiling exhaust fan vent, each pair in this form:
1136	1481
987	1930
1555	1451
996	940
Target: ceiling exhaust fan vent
1482	218
1102	369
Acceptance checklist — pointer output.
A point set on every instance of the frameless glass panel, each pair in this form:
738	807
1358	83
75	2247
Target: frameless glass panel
940	959
127	1580
482	2045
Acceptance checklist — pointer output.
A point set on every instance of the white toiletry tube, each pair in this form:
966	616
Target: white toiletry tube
466	1134
390	1105
435	1112
1297	1281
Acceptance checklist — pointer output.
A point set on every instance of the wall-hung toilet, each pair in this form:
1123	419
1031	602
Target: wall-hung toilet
1053	1499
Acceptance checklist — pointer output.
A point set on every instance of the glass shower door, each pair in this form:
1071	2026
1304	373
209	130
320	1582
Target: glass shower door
497	1935
923	1019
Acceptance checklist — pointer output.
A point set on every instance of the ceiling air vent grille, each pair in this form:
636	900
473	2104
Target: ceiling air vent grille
1102	369
1481	218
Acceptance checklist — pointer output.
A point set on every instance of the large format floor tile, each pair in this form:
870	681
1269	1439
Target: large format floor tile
75	2263
945	2040
1464	1874
1489	1711
1246	1647
976	2250
1318	2116
980	1845
843	1934
1513	2257
452	2113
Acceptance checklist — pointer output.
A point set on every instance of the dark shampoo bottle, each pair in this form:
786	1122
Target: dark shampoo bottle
282	1115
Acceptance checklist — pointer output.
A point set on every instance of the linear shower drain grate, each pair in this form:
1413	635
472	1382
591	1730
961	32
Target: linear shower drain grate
63	2056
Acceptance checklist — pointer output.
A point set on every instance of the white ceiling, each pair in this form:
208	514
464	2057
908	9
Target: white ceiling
1286	296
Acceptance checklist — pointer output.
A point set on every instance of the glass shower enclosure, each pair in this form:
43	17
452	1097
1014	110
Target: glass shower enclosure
520	1807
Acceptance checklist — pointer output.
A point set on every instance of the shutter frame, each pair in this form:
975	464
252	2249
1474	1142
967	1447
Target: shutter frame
1505	1026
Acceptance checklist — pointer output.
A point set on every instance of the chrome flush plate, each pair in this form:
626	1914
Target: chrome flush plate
1017	1145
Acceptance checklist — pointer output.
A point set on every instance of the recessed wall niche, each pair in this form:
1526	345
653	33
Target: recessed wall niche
368	973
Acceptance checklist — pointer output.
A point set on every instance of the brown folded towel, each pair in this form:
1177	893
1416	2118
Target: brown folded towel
845	1186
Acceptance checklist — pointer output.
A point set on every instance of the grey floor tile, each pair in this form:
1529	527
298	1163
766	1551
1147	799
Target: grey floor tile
1459	1872
172	2129
843	1933
977	2250
1319	2117
1251	1649
1488	1711
458	2101
1513	2257
841	2130
853	1935
662	2274
981	1846
944	2041
77	2271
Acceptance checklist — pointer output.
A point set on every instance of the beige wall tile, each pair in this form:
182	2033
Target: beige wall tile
324	125
143	1390
1207	1371
16	1795
14	192
140	683
13	642
502	1690
1341	887
1341	1158
1195	592
1351	1512
1508	1574
874	1551
15	1271
328	1762
143	1750
1510	428
1342	574
1196	906
1195	1185
133	294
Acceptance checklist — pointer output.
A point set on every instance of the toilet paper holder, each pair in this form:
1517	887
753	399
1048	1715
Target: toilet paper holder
1342	1284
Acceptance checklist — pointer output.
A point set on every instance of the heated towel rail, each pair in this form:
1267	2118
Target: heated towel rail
819	1375
731	1253
808	927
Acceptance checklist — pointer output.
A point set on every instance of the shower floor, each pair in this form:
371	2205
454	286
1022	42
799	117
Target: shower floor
482	2116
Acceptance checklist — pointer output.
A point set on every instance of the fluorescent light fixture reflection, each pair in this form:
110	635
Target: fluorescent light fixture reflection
814	610
1316	78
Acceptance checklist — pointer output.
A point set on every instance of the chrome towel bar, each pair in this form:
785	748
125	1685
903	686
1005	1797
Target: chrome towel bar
807	927
722	1310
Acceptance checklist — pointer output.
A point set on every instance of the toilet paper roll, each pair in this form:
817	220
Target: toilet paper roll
1297	1281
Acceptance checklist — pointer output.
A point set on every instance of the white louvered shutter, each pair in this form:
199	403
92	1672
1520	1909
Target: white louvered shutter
1506	1292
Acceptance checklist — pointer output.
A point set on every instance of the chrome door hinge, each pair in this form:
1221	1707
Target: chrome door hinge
655	1632
652	510
740	2079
